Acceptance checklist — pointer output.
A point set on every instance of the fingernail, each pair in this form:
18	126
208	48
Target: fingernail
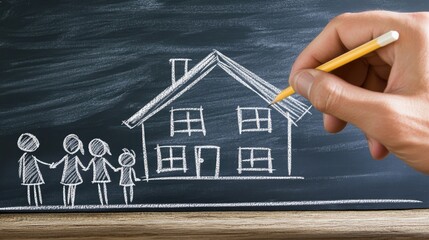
303	82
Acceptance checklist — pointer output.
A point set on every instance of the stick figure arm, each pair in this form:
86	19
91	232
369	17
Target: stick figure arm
55	164
41	162
20	169
89	165
80	163
134	174
110	165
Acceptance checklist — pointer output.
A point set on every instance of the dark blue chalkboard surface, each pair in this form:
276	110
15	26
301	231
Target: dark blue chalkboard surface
162	105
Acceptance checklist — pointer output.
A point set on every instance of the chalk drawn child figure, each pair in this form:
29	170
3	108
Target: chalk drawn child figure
128	175
98	148
71	176
29	171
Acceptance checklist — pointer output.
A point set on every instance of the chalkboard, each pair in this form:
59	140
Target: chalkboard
162	105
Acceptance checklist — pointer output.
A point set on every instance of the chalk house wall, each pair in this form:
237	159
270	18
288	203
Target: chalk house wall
219	95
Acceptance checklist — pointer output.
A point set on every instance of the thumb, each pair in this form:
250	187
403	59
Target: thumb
332	95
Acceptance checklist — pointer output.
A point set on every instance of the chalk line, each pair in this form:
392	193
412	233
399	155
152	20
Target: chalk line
199	160
214	205
229	178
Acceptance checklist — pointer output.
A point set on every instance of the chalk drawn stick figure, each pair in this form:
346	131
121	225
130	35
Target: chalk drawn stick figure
98	148
29	171
71	176
128	175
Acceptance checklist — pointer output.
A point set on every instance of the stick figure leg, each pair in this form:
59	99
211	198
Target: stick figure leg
73	194
69	194
29	195
64	196
39	191
105	194
125	195
35	196
100	194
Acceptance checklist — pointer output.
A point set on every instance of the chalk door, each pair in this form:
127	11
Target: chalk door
206	153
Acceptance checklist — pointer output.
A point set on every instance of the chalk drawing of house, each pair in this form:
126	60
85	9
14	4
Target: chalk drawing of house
211	137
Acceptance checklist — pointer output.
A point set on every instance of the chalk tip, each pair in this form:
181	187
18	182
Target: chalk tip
387	38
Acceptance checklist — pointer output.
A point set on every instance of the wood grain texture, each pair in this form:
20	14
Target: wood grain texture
405	224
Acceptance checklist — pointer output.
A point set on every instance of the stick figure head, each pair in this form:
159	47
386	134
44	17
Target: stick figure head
127	158
98	147
72	144
27	142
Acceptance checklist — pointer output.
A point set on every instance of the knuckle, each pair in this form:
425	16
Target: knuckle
420	17
416	26
325	95
341	18
389	124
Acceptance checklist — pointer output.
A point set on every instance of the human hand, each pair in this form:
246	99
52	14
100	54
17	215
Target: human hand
385	94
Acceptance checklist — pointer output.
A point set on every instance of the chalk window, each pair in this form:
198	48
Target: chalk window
254	119
187	120
256	159
171	158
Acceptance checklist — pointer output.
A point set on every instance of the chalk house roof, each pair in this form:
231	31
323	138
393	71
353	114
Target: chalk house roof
290	107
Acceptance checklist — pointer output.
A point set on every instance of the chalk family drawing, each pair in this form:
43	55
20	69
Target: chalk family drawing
171	159
29	171
71	176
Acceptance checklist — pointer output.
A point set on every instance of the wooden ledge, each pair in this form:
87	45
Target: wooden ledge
400	224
